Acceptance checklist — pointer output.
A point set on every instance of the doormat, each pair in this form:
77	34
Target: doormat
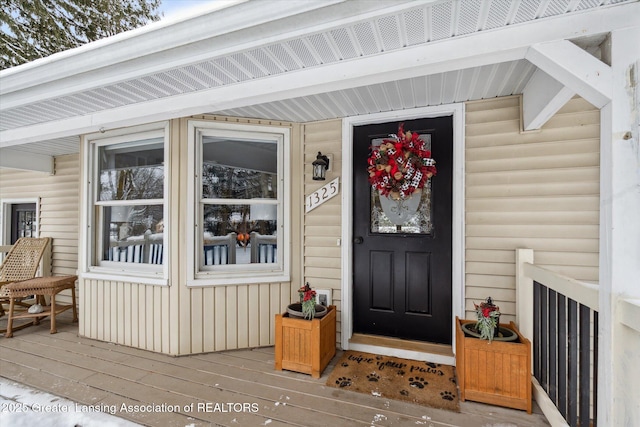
424	383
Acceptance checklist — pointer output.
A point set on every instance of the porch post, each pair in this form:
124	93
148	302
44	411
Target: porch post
619	355
524	290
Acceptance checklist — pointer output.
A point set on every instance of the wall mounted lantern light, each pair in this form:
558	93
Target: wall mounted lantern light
320	166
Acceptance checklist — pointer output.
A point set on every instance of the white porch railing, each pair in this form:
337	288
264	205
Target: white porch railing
217	250
560	316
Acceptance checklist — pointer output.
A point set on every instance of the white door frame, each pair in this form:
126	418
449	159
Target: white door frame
457	110
5	216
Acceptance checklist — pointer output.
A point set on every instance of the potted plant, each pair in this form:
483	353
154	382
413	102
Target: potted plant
305	335
488	317
307	308
494	369
487	325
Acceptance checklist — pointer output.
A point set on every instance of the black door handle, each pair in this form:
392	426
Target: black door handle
358	240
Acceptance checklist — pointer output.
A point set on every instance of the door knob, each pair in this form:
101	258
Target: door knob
358	240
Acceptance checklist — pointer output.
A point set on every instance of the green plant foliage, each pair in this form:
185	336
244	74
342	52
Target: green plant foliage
33	29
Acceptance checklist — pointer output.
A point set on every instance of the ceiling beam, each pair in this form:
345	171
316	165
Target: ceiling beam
542	97
395	65
477	49
13	159
574	68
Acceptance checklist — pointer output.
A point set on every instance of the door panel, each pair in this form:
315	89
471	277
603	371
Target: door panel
402	273
417	267
381	275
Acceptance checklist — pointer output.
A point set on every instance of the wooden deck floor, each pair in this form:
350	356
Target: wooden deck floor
100	374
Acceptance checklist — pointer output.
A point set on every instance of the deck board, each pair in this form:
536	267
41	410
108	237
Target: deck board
93	372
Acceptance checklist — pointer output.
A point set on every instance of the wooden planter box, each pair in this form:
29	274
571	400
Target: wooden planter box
305	346
498	373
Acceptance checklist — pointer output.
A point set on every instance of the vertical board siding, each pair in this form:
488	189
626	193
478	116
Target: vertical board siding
322	226
537	190
220	317
59	200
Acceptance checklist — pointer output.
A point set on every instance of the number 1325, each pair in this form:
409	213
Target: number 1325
322	194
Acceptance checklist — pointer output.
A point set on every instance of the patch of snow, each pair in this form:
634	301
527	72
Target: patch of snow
379	417
25	407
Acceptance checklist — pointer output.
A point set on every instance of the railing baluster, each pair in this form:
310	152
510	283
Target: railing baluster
573	363
544	337
562	355
595	369
585	356
553	346
537	289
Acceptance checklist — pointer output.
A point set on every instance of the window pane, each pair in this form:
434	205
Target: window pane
412	215
133	233
240	234
239	169
131	171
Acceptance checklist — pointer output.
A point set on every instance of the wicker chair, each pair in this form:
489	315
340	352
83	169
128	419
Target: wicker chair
21	263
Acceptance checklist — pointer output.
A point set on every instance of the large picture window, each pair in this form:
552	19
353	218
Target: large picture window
239	198
128	204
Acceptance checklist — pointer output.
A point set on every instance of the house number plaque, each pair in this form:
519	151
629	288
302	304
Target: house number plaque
322	194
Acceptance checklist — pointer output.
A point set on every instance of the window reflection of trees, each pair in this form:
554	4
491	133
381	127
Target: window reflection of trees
132	172
140	183
227	182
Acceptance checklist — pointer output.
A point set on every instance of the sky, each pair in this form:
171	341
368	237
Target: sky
173	8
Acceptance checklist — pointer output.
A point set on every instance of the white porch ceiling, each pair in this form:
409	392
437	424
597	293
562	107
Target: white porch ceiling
397	26
487	81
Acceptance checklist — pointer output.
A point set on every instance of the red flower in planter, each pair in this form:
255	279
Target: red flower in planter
308	300
487	315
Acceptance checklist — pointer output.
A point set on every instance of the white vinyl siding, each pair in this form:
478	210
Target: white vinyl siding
58	195
322	226
536	190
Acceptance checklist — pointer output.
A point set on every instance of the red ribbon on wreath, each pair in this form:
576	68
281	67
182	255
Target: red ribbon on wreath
400	166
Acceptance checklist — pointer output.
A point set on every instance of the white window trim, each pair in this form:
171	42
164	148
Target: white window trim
267	273
118	271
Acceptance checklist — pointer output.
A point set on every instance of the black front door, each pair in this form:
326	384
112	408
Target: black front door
402	249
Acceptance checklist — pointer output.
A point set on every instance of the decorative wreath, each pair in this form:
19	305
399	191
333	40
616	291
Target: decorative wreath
400	166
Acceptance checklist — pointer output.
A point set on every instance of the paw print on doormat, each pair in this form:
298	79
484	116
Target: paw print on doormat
373	377
453	380
417	382
343	382
446	395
